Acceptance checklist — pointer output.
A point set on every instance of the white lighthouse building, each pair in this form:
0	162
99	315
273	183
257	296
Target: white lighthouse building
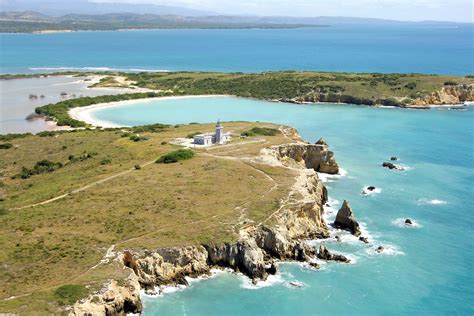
218	137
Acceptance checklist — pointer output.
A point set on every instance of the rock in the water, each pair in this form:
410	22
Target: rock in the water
314	265
273	269
345	219
364	239
379	249
393	158
391	166
325	254
408	221
338	239
368	190
295	284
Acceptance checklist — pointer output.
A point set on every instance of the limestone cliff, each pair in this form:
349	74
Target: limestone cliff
448	95
456	94
313	156
281	237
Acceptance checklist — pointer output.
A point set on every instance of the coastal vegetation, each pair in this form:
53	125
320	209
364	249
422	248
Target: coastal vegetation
51	252
264	131
290	86
175	156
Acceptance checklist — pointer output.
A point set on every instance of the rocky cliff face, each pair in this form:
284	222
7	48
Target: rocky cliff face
280	238
456	94
114	299
312	156
448	95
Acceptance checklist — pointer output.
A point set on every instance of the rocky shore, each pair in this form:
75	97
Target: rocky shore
255	253
448	95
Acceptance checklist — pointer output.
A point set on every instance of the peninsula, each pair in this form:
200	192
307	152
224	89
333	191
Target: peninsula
93	217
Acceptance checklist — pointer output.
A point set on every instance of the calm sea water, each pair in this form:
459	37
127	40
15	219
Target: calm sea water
354	48
16	104
427	269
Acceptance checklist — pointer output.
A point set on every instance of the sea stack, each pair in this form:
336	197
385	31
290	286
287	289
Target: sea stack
345	219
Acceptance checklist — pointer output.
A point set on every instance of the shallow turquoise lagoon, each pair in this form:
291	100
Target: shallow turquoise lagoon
426	270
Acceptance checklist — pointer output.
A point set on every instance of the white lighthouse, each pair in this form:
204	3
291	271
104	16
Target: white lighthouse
219	133
208	139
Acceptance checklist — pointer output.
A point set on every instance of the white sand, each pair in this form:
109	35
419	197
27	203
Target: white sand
85	113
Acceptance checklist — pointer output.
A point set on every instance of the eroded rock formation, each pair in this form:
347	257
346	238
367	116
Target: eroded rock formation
455	94
345	219
325	254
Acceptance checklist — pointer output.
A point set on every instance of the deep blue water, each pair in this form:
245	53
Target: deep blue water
353	48
427	269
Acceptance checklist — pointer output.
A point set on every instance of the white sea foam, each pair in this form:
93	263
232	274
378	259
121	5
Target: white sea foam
332	177
400	222
388	250
366	191
271	280
425	201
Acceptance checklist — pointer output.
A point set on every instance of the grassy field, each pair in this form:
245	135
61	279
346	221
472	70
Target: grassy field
112	192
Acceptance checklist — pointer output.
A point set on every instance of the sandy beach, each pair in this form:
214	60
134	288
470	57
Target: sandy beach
86	113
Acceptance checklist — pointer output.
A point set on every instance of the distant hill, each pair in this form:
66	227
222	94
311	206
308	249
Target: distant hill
28	22
59	8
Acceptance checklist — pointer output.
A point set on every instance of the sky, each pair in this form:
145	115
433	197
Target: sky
409	10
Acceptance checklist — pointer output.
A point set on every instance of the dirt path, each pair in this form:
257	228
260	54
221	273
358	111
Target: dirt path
82	188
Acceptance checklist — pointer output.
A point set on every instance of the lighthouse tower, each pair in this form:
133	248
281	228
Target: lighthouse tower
219	133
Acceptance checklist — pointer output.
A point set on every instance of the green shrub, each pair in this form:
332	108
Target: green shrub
6	146
152	128
450	83
137	167
175	156
164	143
47	134
265	131
43	166
70	293
105	161
410	85
137	138
8	137
193	134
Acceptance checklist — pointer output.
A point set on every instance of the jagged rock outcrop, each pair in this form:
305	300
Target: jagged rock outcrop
345	219
114	299
456	94
325	254
313	156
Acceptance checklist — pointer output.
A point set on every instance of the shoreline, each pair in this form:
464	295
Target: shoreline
85	113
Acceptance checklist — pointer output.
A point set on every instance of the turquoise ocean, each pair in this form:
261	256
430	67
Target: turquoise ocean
427	269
